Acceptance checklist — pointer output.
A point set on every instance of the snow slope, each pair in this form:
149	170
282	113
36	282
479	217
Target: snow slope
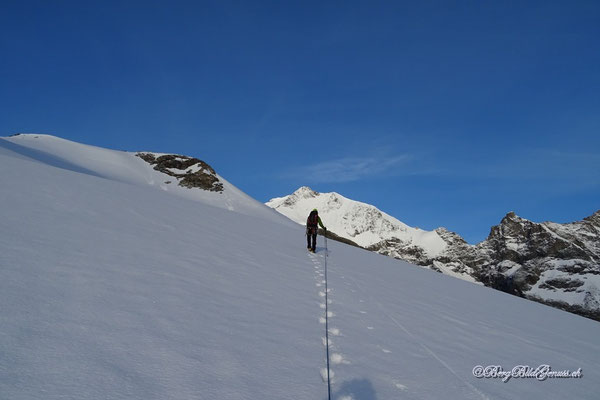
112	289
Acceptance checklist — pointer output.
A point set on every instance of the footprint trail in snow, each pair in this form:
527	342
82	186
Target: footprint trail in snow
325	316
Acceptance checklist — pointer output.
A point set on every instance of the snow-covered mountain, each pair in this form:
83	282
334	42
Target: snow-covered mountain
117	285
556	264
362	223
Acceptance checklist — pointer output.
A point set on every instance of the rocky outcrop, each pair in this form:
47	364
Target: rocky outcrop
337	238
190	172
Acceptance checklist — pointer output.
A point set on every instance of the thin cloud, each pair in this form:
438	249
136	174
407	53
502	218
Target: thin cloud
350	169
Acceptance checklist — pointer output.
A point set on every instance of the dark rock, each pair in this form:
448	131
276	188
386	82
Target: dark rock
330	235
204	178
568	284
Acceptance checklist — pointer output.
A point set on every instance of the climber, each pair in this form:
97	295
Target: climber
312	224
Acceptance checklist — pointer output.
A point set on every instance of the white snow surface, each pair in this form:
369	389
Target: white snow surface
360	222
111	289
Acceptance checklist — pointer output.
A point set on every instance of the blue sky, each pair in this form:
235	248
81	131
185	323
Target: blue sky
440	113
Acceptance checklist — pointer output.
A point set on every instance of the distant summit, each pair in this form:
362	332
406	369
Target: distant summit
555	264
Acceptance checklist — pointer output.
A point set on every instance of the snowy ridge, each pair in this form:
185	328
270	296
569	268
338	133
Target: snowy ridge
112	289
126	167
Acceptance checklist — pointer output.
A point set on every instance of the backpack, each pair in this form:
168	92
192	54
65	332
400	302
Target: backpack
313	220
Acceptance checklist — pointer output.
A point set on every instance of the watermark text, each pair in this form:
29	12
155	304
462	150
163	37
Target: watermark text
540	373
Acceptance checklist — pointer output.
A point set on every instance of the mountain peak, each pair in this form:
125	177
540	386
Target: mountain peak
594	219
305	192
511	225
511	215
512	218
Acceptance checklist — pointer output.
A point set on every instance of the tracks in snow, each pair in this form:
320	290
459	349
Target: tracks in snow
413	337
335	358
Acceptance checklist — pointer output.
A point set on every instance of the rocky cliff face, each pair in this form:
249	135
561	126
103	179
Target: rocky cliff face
555	264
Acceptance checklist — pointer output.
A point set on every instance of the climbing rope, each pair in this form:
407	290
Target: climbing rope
327	324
